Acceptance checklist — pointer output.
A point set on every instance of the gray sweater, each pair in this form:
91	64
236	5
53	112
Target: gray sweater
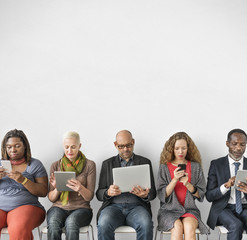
170	208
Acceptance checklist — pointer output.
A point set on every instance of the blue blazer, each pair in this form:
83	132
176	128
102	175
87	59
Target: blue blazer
219	173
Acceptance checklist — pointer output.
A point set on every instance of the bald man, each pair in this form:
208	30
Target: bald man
131	208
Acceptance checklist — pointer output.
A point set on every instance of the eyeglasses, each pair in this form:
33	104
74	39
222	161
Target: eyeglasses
129	145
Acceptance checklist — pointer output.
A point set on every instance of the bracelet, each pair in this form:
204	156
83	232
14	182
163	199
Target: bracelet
24	182
194	190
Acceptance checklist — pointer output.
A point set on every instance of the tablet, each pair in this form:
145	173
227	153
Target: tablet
6	165
62	179
241	176
128	177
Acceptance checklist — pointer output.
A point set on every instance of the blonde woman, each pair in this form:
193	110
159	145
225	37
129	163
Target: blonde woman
180	182
71	209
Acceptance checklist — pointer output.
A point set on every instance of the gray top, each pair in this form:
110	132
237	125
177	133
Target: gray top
14	194
170	208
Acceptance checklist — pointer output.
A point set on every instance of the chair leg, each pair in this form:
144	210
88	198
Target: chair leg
39	232
156	233
91	227
161	236
219	234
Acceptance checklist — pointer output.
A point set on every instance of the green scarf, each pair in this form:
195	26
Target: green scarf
68	166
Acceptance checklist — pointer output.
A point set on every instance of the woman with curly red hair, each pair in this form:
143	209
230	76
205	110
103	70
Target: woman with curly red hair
180	182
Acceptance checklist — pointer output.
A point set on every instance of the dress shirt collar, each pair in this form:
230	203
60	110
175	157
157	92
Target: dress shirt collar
124	163
232	161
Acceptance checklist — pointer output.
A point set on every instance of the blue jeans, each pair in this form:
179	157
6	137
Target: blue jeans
118	214
57	218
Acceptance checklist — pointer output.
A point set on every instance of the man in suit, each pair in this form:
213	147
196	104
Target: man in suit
229	206
132	208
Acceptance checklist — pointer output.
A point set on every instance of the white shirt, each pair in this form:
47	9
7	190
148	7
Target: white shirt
223	189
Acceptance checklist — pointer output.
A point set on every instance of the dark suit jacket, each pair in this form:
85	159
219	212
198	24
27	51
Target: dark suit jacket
106	180
219	173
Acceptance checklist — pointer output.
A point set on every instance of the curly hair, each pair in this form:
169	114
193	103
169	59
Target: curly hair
16	134
167	155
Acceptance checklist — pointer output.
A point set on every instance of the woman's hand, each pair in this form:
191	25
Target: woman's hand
2	172
74	185
178	174
52	180
17	176
184	179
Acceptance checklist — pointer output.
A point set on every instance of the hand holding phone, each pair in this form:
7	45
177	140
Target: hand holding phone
6	165
182	167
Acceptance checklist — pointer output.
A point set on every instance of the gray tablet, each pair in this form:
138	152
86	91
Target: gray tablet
62	179
127	177
241	176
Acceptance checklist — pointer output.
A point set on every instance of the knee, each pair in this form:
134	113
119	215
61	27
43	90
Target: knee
71	224
146	223
53	223
236	226
104	222
189	229
178	228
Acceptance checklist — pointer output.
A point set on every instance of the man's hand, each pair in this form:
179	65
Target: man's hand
230	182
139	192
242	186
113	190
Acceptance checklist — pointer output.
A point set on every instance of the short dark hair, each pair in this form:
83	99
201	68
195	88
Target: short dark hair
18	134
236	130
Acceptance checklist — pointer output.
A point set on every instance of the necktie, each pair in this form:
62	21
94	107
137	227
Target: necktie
239	208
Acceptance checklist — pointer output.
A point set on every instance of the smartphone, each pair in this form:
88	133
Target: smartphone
6	165
182	167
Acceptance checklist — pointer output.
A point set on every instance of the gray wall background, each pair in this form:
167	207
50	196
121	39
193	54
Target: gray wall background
99	66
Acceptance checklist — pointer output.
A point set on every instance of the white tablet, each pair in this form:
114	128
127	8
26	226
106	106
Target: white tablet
241	176
128	177
6	165
62	179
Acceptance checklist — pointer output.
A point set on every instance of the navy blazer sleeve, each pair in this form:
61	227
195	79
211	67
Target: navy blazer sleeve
215	180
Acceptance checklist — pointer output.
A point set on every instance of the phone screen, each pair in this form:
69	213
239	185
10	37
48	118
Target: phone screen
6	165
182	167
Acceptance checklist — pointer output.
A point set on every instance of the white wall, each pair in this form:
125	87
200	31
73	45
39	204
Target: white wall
99	66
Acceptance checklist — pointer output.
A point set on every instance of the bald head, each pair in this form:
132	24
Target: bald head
124	144
124	134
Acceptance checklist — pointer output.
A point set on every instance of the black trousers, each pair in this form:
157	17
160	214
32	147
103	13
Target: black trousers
235	223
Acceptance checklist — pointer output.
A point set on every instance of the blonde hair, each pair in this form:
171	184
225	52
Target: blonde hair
72	134
167	155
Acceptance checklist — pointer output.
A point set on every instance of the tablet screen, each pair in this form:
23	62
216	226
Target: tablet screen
62	179
241	176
